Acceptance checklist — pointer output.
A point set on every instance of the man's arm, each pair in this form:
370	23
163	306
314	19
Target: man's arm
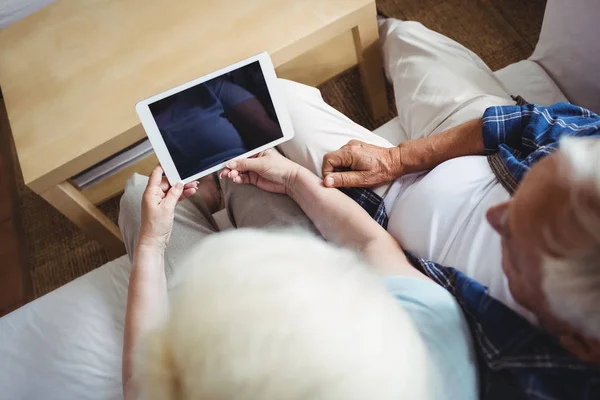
372	165
427	153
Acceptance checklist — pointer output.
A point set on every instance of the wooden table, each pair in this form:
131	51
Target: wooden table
72	72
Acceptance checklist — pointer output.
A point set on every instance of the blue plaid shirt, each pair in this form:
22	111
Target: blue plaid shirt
516	359
516	137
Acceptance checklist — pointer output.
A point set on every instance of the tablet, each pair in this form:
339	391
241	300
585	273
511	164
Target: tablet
235	112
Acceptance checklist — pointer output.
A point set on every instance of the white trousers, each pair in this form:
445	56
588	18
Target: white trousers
438	215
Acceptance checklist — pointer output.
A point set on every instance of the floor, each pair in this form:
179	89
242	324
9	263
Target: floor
16	288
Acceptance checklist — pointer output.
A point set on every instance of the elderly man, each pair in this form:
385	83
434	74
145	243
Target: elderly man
544	270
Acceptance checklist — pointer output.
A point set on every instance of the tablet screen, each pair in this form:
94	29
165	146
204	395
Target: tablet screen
217	120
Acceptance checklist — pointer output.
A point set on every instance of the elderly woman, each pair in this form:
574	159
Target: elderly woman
281	315
285	315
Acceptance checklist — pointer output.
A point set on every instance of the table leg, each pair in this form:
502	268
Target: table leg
75	206
368	54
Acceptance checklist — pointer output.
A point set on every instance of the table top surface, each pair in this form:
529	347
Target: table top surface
72	72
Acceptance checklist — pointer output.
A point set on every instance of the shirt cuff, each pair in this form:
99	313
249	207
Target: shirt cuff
497	125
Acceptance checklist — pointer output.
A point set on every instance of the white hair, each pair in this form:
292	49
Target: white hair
280	315
572	283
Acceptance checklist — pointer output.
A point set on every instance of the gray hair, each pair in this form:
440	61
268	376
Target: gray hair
572	283
259	315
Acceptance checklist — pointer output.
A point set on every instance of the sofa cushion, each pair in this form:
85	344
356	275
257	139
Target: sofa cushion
529	80
68	343
569	49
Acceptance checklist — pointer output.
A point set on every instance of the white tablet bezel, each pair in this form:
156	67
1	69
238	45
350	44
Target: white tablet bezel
160	148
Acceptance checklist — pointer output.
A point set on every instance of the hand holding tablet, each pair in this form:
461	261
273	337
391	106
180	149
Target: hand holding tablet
235	112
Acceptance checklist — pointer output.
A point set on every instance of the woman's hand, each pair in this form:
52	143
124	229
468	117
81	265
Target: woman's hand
359	164
158	208
268	170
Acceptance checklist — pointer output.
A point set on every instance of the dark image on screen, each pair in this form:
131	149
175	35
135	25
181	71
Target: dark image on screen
217	120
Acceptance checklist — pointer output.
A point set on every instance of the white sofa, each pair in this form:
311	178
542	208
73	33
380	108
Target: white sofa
67	344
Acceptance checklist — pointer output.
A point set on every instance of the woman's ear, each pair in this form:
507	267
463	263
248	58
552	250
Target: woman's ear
586	349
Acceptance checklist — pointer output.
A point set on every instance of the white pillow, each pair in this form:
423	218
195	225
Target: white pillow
529	80
68	343
569	49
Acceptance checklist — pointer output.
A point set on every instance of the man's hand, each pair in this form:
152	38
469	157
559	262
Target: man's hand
158	208
360	164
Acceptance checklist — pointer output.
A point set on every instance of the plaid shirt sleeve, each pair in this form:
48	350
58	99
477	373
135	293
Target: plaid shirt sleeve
517	360
516	137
